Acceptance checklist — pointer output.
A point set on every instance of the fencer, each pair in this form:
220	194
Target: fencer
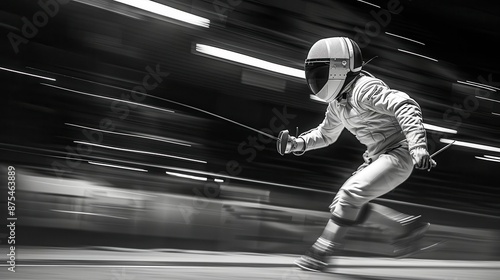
387	121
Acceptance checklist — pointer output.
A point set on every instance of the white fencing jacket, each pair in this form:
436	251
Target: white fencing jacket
379	117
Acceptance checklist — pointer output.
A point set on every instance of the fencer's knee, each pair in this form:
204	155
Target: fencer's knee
349	216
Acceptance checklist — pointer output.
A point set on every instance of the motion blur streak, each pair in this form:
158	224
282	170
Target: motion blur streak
477	85
187	176
483	85
109	98
399	36
419	55
248	60
27	74
91	214
492	157
167	11
438	128
489	99
249	180
471	145
368	3
488	159
117	166
139	152
155	138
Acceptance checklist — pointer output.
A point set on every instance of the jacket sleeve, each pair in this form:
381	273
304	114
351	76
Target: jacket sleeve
325	134
378	97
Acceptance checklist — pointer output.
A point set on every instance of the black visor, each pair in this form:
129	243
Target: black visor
317	74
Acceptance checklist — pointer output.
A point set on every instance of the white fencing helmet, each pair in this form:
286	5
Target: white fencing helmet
331	64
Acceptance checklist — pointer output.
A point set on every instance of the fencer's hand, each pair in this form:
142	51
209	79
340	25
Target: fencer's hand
422	159
287	144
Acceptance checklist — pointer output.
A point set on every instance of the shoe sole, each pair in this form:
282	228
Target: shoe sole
306	268
303	267
425	249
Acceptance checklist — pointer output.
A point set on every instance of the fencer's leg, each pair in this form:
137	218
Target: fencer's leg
315	259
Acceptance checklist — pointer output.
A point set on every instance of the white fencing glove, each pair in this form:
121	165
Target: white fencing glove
422	159
287	144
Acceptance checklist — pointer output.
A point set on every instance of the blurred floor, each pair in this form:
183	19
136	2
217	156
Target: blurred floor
122	264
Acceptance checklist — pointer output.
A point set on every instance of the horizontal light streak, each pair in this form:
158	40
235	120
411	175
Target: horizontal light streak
187	176
138	151
489	99
368	3
198	178
488	159
128	134
88	213
438	128
243	179
416	54
471	145
399	36
109	98
248	60
27	74
483	85
492	157
475	85
166	11
117	166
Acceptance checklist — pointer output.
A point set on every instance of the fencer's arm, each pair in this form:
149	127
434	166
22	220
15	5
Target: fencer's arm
409	116
325	134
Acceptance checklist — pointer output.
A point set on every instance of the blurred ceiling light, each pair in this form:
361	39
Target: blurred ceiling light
158	138
488	159
489	99
368	3
109	98
137	151
103	4
438	128
248	60
471	145
187	176
496	114
416	54
27	74
479	84
117	166
476	85
399	36
167	11
492	157
219	180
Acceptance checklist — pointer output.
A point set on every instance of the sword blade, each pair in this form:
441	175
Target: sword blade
442	149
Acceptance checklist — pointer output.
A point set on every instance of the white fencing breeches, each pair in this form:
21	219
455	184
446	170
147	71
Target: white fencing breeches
376	177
